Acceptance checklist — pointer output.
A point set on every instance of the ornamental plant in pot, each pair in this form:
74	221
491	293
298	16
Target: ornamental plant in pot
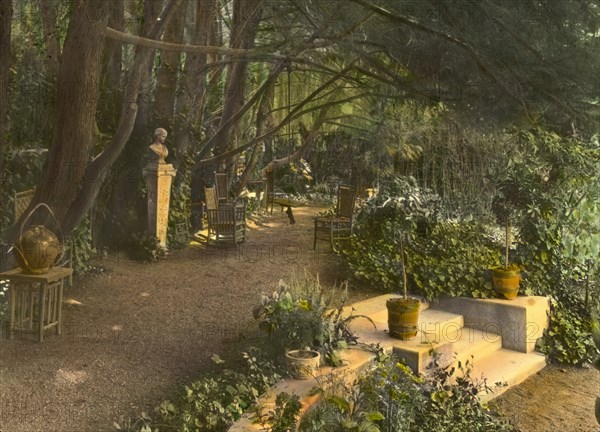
293	325
506	279
302	327
403	312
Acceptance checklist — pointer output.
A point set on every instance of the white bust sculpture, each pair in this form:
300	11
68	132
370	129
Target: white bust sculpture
158	145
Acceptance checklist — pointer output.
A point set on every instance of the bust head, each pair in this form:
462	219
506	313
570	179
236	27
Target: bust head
158	146
160	135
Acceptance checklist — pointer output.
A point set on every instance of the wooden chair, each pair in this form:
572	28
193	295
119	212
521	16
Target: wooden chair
225	221
22	200
221	188
339	226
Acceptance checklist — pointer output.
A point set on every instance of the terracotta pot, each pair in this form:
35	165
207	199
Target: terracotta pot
303	364
403	316
506	282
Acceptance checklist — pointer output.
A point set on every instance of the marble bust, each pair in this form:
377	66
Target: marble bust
158	145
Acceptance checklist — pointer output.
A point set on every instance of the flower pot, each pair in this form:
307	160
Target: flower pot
403	315
303	364
505	281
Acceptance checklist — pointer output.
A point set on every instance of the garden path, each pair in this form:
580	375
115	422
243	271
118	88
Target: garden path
134	333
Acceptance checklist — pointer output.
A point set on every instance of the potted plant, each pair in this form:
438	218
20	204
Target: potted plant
506	279
403	312
292	325
302	326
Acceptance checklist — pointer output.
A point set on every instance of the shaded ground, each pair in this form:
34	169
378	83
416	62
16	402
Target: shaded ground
554	399
141	331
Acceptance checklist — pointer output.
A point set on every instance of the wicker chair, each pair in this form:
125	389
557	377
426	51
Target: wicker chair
226	222
339	226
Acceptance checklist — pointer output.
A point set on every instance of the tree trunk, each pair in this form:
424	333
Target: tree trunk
191	98
246	17
114	50
126	211
77	98
6	11
106	159
50	31
166	77
5	34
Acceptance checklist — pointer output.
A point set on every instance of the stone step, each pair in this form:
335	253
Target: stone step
435	329
474	344
506	367
520	321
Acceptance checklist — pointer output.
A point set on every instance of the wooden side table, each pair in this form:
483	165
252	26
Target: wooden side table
35	301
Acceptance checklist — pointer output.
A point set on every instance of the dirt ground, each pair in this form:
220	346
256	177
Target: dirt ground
134	333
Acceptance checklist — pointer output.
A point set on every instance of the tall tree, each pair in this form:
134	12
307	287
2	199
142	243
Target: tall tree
246	18
77	98
6	12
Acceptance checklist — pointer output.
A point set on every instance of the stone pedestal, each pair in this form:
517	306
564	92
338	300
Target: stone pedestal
158	182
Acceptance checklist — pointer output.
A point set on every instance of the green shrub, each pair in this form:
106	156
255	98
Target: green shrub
568	338
389	397
144	247
450	259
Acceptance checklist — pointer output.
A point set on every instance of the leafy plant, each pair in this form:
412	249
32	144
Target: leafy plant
451	260
389	397
145	247
82	247
299	315
284	417
341	410
386	226
568	338
214	401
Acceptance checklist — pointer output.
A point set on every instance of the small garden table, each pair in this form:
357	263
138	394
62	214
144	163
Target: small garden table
35	301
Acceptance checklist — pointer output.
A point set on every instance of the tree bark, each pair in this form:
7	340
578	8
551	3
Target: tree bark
77	98
6	12
166	77
114	50
246	17
125	199
50	31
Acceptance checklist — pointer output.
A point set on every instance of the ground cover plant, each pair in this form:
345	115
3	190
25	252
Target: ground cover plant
389	397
